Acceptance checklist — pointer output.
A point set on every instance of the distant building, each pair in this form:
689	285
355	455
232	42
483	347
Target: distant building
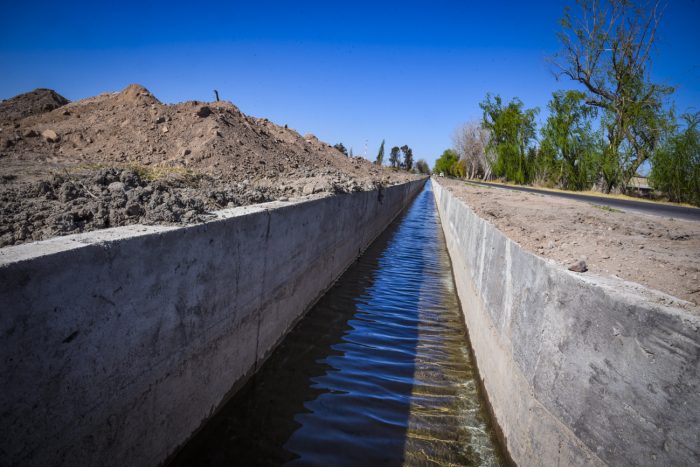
639	186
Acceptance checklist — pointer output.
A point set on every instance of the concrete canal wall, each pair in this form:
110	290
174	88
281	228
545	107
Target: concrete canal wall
579	370
117	344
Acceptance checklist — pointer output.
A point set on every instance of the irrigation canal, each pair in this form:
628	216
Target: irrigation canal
379	372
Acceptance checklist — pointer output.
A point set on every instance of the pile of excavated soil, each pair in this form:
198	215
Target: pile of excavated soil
31	103
657	252
126	158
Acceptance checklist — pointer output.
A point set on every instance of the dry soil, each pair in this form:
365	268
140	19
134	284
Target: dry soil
657	252
126	158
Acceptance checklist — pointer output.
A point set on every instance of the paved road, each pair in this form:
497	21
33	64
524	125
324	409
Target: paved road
656	209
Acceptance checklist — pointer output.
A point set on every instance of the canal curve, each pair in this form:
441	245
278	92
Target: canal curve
379	372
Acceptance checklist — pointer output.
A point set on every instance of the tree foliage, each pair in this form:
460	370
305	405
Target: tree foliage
395	157
444	163
607	49
407	157
568	154
601	135
471	141
380	154
676	165
513	131
422	167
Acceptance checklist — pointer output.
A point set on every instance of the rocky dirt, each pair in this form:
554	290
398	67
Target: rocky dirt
126	158
31	103
659	253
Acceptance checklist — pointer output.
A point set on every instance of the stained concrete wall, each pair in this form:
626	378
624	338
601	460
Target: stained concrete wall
117	344
578	370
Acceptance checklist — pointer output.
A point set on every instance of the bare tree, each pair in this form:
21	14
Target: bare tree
471	143
607	48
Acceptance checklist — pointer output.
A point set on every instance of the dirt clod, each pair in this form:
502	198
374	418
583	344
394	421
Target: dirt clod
578	266
50	136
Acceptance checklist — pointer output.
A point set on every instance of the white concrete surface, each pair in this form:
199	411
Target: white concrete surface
117	344
579	370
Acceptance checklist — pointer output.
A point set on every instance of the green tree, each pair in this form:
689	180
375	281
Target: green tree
407	157
445	162
341	148
380	154
607	48
394	157
459	168
676	164
567	155
513	131
423	167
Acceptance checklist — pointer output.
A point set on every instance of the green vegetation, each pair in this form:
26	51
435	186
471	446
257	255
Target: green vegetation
446	163
567	154
380	154
407	157
513	132
597	136
676	165
394	157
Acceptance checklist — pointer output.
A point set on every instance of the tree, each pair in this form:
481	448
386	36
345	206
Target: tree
676	165
513	130
607	49
380	154
445	162
459	168
567	153
407	157
351	151
471	141
423	167
394	158
341	148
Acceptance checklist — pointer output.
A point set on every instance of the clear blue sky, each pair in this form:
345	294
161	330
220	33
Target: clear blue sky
352	71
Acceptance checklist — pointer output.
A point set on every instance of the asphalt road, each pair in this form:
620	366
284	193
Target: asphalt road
656	209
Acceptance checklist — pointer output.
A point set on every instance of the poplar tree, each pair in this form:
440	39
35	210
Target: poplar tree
380	154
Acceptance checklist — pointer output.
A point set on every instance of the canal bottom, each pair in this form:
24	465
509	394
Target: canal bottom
379	372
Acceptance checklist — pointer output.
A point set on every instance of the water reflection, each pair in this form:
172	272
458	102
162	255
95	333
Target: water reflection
378	373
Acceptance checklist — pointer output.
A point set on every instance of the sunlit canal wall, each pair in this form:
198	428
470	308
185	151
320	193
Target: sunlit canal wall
579	370
117	344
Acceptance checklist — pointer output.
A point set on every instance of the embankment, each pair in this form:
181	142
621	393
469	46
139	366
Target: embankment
579	370
117	344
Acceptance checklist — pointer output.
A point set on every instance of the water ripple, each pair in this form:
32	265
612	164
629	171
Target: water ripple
378	373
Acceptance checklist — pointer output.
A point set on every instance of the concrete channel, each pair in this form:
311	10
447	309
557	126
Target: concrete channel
118	344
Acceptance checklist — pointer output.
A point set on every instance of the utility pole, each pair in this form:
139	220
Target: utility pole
216	94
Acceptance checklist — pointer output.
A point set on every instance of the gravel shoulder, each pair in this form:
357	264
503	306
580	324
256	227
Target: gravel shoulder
126	158
659	253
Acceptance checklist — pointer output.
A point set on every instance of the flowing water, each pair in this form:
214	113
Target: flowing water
379	372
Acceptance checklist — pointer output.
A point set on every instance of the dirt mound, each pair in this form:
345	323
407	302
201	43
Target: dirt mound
137	94
187	159
31	103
